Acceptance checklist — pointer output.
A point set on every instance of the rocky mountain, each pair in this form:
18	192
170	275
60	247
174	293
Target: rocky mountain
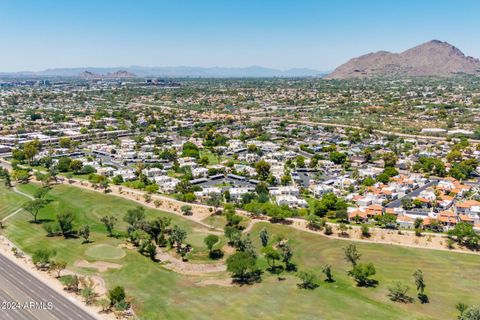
433	58
89	75
120	74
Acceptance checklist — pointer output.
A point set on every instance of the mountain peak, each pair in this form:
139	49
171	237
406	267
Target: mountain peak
432	58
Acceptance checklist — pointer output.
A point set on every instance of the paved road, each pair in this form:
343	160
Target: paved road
34	297
398	203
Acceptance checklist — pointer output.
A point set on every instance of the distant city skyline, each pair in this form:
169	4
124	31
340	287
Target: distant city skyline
319	35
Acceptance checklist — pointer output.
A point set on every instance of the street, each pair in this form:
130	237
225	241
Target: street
24	297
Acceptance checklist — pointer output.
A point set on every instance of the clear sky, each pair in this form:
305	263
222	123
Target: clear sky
318	34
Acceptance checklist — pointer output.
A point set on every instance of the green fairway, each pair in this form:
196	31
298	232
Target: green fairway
159	293
104	251
10	201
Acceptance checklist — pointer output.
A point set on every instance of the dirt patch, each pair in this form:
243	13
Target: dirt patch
228	249
215	282
101	266
210	231
183	267
100	287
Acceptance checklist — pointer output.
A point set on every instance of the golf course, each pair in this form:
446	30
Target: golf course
158	292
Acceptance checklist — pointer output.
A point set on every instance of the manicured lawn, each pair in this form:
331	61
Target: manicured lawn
9	201
212	158
159	293
105	251
89	207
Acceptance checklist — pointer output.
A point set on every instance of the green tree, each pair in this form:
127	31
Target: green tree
58	267
135	217
264	237
263	169
6	178
242	266
186	210
210	241
287	254
178	235
109	222
361	273
472	313
398	292
461	307
464	234
71	282
314	222
327	270
351	254
41	257
309	280
390	159
30	149
65	223
65	142
420	284
41	193
365	231
84	232
63	164
271	255
34	206
76	166
151	250
116	295
338	157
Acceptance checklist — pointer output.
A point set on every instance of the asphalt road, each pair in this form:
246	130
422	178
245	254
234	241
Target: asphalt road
398	203
24	297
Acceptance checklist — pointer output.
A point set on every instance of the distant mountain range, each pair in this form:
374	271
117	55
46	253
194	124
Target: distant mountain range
433	58
181	71
120	74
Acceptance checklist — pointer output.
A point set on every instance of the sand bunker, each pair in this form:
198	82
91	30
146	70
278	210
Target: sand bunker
101	266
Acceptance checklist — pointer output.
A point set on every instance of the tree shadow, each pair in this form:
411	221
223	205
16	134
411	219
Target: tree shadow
70	235
291	267
216	254
368	283
343	235
249	278
423	298
41	221
275	270
307	286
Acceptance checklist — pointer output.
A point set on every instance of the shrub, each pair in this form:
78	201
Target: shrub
398	292
328	230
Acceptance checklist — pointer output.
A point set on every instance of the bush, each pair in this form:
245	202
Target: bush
365	231
328	230
418	232
70	282
51	228
361	273
309	280
472	313
398	293
116	295
41	257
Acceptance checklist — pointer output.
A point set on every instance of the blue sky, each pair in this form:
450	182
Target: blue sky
318	34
